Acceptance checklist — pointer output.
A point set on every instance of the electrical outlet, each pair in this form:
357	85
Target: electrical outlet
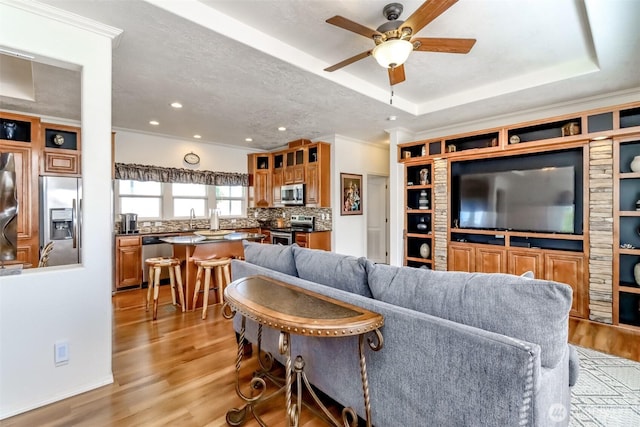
61	353
322	217
328	217
157	223
255	214
233	221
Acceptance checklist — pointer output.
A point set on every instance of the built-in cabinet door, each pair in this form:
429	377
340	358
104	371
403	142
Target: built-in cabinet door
521	261
569	269
276	184
262	188
490	260
27	195
312	185
461	258
128	261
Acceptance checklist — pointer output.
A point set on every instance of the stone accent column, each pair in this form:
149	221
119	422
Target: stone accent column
440	215
601	231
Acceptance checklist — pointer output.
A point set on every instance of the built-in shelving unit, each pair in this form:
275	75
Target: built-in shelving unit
418	234
626	295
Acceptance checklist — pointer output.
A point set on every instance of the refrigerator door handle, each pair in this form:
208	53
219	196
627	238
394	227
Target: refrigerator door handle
79	220
74	222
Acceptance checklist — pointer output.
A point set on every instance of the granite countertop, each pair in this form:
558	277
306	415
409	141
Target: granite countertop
194	239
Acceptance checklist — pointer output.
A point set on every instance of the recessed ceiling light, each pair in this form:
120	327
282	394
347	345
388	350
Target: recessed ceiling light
282	128
392	118
196	136
176	105
248	139
154	122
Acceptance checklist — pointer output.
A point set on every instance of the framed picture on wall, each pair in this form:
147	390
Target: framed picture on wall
351	191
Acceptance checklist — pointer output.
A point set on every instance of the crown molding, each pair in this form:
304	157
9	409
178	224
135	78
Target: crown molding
69	18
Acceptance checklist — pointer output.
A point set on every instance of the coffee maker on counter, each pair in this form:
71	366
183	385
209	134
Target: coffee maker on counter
128	223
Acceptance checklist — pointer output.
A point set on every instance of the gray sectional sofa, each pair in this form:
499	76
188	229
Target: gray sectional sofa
460	349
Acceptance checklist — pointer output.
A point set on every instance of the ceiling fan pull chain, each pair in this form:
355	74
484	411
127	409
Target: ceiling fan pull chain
391	98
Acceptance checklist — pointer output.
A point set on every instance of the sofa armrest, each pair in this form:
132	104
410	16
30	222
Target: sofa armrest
574	366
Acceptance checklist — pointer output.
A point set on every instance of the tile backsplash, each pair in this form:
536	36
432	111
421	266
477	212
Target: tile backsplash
255	216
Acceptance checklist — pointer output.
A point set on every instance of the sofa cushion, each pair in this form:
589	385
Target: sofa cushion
274	257
344	272
532	310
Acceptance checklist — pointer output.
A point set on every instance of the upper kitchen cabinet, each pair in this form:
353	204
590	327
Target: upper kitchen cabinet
303	162
277	177
61	150
294	166
260	169
318	175
20	135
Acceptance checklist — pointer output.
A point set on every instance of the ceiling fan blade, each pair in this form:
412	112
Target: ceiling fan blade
348	61
396	75
443	45
349	25
426	13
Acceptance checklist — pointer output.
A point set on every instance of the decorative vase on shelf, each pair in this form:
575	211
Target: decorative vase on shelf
422	226
636	273
423	201
425	250
635	164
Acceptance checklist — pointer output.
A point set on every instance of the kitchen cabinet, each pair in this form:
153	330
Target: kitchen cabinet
315	240
277	177
259	168
60	150
24	142
318	175
128	261
294	166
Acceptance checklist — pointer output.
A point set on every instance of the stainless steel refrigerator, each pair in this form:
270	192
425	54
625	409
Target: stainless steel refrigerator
61	218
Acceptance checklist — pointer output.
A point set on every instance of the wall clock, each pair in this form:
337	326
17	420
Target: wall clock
192	158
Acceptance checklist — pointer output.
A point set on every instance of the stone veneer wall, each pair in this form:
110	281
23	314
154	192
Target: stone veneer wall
601	231
441	210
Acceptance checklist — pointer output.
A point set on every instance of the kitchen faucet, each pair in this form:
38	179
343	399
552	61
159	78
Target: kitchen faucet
192	216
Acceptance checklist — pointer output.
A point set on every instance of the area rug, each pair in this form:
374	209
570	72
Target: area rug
607	393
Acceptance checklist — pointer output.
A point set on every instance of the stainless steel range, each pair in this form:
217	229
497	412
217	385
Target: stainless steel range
286	236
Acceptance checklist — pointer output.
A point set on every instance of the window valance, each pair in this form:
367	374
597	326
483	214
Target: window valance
176	175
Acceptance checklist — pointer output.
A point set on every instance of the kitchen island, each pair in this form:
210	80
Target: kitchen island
194	247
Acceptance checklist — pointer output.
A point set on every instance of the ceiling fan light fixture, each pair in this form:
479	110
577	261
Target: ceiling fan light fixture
392	53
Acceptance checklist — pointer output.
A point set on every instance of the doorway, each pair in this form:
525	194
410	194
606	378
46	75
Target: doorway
378	218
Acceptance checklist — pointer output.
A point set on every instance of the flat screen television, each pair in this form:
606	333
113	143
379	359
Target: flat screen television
533	193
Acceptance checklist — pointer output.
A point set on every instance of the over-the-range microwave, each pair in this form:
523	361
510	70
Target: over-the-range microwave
292	194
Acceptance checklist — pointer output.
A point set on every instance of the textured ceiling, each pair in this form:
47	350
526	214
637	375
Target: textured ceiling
243	68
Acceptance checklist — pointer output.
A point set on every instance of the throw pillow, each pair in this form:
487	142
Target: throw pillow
274	257
531	310
343	272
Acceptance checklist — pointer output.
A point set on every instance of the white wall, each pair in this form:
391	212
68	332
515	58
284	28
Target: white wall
44	305
146	149
354	157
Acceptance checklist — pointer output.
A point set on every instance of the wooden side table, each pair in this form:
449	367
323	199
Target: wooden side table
297	311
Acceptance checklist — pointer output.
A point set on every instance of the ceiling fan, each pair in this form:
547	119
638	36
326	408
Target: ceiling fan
393	38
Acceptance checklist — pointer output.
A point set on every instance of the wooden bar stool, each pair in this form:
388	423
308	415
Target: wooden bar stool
155	267
221	267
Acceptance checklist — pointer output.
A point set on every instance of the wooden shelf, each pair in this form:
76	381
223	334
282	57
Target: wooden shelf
629	289
422	260
629	213
419	187
629	175
418	211
420	235
634	251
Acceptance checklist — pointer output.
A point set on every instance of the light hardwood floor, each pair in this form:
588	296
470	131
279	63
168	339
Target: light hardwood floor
176	371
